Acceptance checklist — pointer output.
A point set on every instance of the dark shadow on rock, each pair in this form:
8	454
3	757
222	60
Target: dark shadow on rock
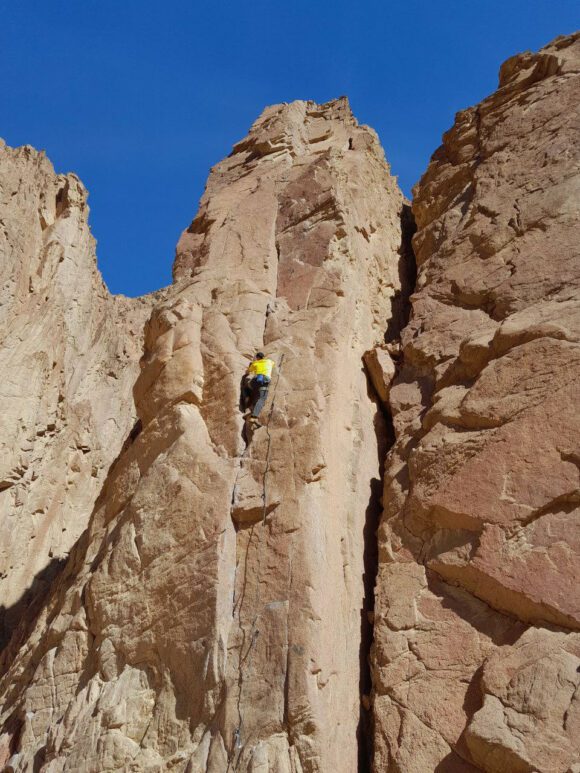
17	621
39	760
247	399
12	729
244	401
500	627
453	763
31	600
407	270
370	559
135	432
383	427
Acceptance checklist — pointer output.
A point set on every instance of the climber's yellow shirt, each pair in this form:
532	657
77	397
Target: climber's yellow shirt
261	367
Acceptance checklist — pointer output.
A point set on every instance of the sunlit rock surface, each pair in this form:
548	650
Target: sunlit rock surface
216	611
69	355
211	617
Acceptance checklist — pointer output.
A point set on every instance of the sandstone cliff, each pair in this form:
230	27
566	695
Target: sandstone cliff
211	615
216	613
69	357
476	655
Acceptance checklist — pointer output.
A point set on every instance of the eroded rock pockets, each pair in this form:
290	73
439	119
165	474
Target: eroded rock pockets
205	622
476	651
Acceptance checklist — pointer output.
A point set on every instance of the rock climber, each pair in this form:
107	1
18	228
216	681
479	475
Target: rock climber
256	384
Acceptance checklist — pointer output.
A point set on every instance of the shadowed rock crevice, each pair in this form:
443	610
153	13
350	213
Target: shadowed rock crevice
379	378
370	560
407	269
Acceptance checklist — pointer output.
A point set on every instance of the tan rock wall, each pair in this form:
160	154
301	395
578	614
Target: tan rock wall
215	614
476	653
210	618
69	356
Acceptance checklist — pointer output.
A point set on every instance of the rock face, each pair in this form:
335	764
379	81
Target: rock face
476	656
69	357
211	616
215	614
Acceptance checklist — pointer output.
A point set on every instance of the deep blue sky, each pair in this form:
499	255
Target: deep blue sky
141	98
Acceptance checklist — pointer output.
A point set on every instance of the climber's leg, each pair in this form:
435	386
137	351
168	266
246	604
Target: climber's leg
262	396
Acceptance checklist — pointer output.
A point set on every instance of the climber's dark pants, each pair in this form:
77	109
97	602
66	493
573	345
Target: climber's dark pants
260	402
255	395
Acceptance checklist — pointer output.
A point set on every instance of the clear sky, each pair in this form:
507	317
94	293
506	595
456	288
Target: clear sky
140	98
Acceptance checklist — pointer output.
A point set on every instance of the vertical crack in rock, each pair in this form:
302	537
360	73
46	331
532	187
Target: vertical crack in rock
244	654
370	568
381	365
407	269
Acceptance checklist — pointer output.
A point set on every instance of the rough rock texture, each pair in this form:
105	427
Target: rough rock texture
476	656
211	617
216	613
69	356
